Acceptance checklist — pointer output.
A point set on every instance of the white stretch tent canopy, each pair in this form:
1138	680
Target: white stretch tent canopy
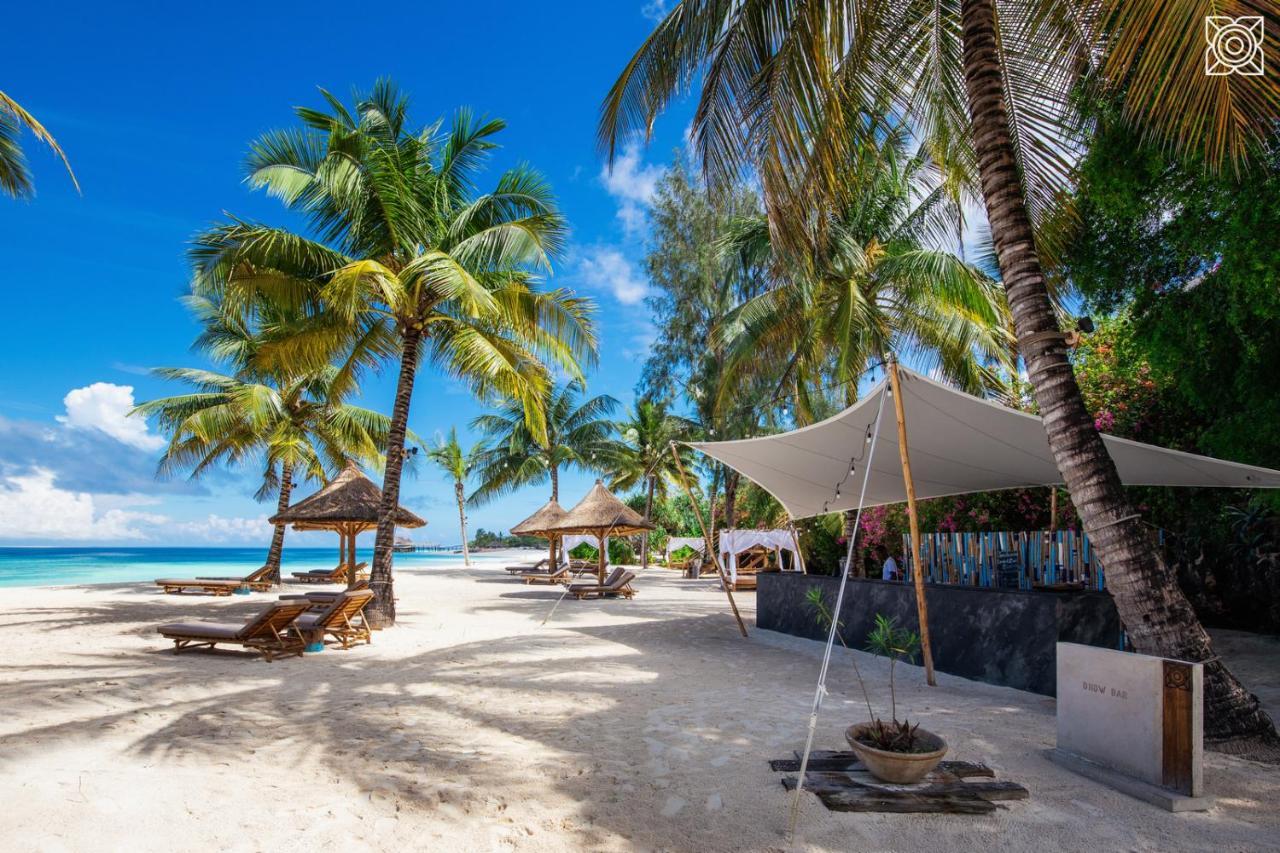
675	543
734	542
958	444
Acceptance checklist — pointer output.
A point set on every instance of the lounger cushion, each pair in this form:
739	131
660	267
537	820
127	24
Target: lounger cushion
211	630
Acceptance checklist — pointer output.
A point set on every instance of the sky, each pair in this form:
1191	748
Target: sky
155	105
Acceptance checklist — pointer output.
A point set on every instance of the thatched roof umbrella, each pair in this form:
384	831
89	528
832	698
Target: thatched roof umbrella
348	504
602	515
543	523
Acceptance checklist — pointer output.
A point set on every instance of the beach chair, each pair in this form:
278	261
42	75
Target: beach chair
258	580
540	566
618	583
338	574
271	632
343	619
560	575
321	599
205	586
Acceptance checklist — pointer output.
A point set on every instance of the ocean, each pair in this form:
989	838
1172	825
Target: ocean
67	566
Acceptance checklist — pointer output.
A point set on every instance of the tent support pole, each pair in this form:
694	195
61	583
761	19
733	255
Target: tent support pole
795	537
711	548
922	609
834	627
1053	509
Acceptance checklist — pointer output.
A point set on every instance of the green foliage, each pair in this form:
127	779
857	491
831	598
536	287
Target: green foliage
890	641
15	177
511	455
491	539
621	551
1192	261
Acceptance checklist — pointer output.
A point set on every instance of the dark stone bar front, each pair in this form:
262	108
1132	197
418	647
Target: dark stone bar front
999	636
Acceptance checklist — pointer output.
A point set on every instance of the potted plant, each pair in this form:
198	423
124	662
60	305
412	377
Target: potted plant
894	751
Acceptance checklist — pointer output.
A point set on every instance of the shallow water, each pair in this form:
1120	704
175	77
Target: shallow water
63	566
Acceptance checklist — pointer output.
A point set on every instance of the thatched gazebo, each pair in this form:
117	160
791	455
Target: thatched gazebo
543	523
602	515
348	505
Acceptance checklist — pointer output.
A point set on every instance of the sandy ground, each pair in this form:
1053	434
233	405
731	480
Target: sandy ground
620	725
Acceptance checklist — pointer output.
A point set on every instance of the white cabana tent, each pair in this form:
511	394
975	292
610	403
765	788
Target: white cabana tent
958	444
734	542
947	443
675	543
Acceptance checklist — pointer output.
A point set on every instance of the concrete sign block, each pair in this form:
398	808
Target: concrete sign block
1134	722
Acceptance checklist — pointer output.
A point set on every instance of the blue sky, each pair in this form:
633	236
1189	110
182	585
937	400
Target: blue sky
155	106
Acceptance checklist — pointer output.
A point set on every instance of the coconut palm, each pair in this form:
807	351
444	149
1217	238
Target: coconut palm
450	458
988	86
296	425
15	177
512	455
642	456
876	287
406	246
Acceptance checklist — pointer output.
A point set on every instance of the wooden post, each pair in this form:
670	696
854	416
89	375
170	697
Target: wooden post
706	537
602	558
342	547
922	610
1053	509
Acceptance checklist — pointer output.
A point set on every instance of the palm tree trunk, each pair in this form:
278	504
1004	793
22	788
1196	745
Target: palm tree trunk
460	494
1155	612
381	612
555	481
644	537
277	538
731	499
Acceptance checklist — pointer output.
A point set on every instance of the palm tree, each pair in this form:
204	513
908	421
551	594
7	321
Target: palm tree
15	178
449	457
512	455
877	287
642	456
296	425
988	85
407	247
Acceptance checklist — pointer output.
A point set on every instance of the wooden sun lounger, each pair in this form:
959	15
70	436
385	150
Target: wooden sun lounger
615	584
257	580
560	575
338	574
540	566
322	598
206	586
343	619
270	632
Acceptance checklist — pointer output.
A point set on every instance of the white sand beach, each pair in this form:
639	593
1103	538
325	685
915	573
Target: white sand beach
641	725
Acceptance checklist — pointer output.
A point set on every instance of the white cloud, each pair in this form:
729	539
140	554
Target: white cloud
633	184
105	407
654	10
606	268
220	528
33	507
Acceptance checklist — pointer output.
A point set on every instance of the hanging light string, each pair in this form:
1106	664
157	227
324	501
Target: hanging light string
821	691
853	465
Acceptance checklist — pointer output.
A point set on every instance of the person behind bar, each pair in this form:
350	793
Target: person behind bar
890	570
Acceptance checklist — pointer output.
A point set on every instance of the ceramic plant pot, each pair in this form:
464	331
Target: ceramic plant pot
902	768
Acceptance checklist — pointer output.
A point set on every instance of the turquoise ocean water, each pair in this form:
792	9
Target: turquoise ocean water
63	566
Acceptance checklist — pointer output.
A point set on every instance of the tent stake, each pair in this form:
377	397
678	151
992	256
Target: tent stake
922	610
711	548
